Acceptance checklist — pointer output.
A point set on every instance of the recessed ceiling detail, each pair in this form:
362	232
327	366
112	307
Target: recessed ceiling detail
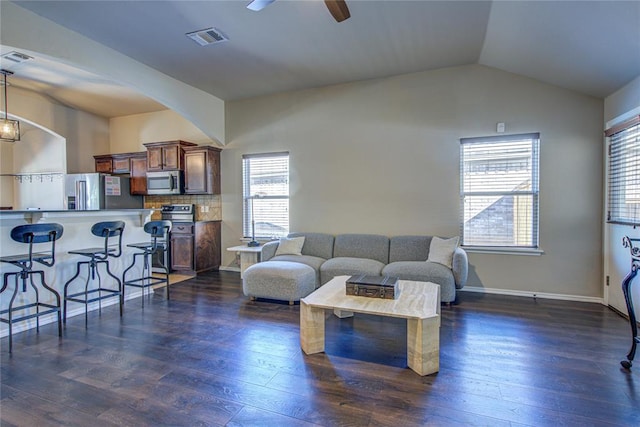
207	36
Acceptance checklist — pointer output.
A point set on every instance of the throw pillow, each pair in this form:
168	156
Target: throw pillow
292	246
441	250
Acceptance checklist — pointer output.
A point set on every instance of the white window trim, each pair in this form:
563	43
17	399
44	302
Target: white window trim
503	250
506	250
246	209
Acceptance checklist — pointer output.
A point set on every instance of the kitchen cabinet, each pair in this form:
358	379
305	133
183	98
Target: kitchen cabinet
167	155
195	247
181	244
104	163
202	170
119	163
138	183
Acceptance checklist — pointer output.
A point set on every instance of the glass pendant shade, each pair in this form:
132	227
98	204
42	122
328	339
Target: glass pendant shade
9	130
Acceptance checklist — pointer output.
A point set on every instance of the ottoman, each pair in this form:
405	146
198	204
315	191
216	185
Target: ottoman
280	280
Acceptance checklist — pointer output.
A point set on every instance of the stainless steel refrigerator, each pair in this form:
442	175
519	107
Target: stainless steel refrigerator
95	191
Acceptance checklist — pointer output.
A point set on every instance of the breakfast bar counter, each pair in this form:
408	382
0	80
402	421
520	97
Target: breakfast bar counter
76	234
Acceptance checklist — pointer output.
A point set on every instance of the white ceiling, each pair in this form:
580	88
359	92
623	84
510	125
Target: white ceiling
591	47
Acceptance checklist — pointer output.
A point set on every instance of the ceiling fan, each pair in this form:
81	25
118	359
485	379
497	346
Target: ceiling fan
337	8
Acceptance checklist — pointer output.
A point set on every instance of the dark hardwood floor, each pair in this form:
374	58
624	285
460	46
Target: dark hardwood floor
212	357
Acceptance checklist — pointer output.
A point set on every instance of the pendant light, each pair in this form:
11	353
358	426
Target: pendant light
9	129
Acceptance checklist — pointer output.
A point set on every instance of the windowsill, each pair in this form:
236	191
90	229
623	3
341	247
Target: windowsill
258	239
503	250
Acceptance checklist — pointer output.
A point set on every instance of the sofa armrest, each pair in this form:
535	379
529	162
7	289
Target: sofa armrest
269	250
460	267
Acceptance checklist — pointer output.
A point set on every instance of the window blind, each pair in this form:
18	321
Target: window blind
499	191
624	173
265	185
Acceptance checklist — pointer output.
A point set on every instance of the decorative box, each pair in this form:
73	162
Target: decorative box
385	287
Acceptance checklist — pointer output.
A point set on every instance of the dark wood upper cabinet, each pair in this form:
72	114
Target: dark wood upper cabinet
138	183
167	155
119	163
104	163
202	170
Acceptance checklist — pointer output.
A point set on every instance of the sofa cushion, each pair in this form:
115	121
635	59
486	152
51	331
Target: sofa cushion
312	261
441	250
316	244
370	246
424	271
290	246
348	266
409	248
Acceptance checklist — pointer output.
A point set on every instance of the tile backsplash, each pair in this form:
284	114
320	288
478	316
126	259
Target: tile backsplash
208	207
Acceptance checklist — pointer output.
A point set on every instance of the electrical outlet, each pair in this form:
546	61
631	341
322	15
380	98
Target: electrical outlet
202	208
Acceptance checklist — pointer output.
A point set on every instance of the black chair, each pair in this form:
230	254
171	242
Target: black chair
107	230
159	231
30	234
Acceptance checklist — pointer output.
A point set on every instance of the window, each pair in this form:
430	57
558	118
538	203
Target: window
265	187
624	173
499	191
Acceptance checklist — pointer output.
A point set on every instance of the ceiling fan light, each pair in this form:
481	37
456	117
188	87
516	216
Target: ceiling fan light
9	130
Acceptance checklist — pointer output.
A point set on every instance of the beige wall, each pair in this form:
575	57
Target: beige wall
617	263
382	156
128	133
86	134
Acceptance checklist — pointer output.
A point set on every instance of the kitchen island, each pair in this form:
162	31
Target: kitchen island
76	235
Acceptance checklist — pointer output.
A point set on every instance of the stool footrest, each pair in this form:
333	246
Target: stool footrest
52	309
87	300
152	281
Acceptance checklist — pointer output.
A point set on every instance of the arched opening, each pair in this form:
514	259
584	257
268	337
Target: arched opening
32	169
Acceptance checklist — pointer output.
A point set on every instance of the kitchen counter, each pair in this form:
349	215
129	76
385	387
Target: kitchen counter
34	216
76	235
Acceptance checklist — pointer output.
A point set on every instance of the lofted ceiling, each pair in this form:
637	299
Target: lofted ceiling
592	47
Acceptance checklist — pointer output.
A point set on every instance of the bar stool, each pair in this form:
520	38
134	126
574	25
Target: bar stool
97	256
159	231
30	234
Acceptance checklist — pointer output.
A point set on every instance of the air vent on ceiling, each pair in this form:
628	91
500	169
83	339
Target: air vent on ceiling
207	36
16	57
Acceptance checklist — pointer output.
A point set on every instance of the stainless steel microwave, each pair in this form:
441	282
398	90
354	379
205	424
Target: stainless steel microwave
165	182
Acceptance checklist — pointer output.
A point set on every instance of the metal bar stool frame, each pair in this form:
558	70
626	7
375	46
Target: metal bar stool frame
159	231
30	234
97	256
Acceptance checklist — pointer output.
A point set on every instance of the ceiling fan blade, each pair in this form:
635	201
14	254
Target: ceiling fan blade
258	5
338	9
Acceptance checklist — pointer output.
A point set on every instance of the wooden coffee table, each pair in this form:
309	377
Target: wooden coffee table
418	302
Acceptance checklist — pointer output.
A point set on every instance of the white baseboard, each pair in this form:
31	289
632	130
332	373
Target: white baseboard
529	294
236	269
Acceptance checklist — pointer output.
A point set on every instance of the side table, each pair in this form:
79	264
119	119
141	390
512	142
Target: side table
249	255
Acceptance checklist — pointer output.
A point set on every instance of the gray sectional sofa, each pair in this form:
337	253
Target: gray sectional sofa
405	257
